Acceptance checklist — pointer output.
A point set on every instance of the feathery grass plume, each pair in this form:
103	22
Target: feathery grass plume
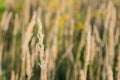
88	49
40	45
25	51
44	68
111	35
43	56
88	39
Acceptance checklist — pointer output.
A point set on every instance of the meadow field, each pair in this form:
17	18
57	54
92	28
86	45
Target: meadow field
59	39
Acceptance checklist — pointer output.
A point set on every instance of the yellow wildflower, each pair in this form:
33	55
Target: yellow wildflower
95	13
79	26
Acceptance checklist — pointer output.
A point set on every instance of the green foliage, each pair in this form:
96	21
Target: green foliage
2	8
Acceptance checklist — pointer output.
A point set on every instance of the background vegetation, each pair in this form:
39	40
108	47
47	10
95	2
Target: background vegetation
59	39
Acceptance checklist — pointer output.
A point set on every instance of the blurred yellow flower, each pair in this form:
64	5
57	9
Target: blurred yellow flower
63	19
66	17
53	5
79	26
95	13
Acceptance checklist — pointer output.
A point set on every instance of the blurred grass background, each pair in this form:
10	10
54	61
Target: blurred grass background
81	40
2	8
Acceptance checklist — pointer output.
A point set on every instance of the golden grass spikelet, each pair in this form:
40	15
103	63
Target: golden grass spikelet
88	48
88	40
40	45
111	35
44	69
25	51
43	55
